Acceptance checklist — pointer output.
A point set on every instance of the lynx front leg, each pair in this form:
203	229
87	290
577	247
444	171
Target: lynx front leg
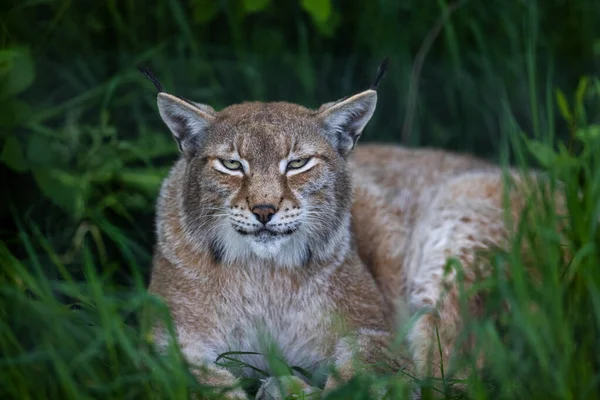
217	377
203	367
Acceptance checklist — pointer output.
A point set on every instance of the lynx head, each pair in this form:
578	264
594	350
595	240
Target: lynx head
267	181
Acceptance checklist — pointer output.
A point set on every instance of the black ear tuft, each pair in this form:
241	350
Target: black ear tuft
383	67
150	75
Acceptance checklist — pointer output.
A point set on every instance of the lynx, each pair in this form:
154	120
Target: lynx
274	227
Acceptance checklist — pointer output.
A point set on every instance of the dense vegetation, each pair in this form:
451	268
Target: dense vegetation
82	152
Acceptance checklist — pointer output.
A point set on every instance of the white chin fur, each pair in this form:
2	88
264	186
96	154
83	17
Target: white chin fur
268	247
287	251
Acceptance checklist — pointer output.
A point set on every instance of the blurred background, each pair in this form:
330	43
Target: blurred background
83	150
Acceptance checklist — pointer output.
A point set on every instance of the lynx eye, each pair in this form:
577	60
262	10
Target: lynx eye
296	164
232	164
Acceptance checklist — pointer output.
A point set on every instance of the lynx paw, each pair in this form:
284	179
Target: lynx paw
286	387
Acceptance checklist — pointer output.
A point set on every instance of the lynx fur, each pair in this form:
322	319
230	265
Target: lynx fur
273	228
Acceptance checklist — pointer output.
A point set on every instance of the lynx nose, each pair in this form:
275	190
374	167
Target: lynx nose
263	212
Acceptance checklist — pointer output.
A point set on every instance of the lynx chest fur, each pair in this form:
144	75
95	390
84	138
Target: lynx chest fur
251	309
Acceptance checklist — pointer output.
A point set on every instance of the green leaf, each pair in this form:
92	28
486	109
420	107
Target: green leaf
543	152
328	27
146	180
40	151
67	191
563	106
579	106
204	11
564	159
16	72
578	259
252	6
13	112
589	133
319	10
596	47
581	89
12	155
147	147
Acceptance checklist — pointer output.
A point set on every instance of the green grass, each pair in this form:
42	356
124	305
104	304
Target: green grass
88	338
82	153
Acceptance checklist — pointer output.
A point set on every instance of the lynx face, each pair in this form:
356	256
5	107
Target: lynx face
267	181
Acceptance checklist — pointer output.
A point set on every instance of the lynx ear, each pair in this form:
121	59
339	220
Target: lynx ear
345	120
187	121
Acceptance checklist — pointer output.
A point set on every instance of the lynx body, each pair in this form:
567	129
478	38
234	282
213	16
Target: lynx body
272	230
